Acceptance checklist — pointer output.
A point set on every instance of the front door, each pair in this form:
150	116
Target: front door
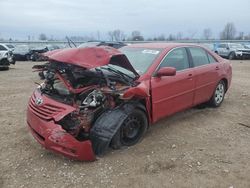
171	94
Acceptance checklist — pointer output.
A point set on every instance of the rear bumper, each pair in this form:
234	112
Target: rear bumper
51	136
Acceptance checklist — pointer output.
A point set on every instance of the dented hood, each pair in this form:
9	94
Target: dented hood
92	57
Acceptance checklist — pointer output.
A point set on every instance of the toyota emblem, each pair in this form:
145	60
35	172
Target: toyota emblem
39	101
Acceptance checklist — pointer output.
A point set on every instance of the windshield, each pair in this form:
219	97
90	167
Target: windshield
140	58
236	46
125	71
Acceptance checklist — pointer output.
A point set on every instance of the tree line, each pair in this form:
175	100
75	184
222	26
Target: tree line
229	32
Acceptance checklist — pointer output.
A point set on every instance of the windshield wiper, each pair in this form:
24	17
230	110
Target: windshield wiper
124	76
109	83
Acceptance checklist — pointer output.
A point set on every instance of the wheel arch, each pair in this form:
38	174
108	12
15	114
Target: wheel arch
226	83
142	105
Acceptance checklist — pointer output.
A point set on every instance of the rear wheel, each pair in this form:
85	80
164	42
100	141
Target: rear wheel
4	68
218	95
131	131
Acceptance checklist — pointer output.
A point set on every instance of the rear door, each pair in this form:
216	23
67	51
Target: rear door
206	70
171	94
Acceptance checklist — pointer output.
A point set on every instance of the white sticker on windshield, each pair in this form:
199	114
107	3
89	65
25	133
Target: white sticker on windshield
155	52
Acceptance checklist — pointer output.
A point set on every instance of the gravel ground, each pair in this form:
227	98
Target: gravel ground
195	148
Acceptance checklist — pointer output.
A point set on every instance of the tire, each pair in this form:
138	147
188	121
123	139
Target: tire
4	68
218	95
132	130
231	56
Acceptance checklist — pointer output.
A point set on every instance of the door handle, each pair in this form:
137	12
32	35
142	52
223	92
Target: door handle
217	68
190	76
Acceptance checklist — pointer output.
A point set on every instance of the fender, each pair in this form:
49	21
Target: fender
139	91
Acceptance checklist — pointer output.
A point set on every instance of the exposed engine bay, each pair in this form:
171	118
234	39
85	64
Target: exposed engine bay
91	91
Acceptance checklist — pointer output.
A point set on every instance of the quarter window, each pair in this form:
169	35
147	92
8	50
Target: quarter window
177	58
199	56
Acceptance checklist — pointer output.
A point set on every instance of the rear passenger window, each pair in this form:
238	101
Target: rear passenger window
177	58
199	56
211	58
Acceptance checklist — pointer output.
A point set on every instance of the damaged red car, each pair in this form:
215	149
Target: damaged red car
96	98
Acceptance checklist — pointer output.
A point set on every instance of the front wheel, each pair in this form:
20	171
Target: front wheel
131	131
218	95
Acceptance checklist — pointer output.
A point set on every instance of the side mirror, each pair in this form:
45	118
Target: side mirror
227	48
166	71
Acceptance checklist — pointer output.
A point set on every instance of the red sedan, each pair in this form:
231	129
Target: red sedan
94	98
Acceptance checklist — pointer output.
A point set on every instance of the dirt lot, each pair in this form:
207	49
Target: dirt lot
195	148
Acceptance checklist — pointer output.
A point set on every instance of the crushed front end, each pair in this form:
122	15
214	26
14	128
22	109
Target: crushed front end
64	108
42	119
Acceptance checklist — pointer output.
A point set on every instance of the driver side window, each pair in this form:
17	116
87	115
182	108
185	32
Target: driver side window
177	58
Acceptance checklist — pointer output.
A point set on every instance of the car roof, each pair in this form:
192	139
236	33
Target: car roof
162	45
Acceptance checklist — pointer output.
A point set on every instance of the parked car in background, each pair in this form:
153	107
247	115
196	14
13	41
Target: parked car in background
232	51
6	56
113	44
247	46
94	98
21	52
36	53
210	46
10	46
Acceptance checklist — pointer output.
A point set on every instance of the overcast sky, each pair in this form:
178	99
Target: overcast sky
20	18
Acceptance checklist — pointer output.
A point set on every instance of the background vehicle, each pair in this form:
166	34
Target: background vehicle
99	97
35	53
10	46
6	56
113	44
210	46
247	46
232	51
22	52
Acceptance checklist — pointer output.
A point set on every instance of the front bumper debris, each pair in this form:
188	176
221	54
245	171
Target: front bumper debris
53	137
